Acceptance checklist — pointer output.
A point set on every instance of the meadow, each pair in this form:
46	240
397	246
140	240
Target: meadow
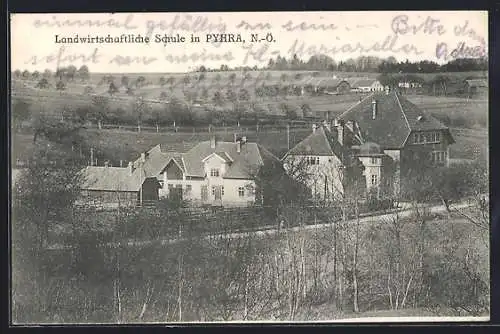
468	118
115	145
197	90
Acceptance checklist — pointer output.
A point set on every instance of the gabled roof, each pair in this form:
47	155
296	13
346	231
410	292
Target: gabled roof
361	82
320	142
112	178
322	82
157	160
477	82
245	164
221	155
177	160
396	118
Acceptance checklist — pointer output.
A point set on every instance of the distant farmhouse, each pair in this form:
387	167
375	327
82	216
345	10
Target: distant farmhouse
385	133
217	173
408	84
364	85
474	87
325	86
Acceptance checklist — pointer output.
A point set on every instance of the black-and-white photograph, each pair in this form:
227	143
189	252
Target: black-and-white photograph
222	167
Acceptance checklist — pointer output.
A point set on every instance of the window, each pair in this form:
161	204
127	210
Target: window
436	137
416	138
222	190
439	156
189	188
170	186
312	160
374	180
241	191
214	172
374	161
213	190
429	137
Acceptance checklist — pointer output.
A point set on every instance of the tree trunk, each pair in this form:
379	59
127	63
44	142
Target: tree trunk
245	313
354	264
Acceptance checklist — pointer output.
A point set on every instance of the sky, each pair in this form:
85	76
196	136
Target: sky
38	40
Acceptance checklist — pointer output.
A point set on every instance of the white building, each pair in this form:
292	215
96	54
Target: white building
211	172
365	85
317	161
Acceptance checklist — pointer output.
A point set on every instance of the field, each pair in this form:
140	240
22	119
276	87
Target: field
197	93
154	77
468	118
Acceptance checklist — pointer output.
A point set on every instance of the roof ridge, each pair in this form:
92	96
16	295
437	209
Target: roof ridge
258	153
327	140
359	102
406	118
267	151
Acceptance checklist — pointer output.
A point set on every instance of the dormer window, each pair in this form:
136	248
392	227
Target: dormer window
426	137
214	172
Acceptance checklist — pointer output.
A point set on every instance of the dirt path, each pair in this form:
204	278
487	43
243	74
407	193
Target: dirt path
404	212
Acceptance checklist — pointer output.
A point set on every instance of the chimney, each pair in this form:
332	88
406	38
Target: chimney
314	127
212	142
143	157
340	132
374	109
121	163
106	163
130	167
238	146
92	156
243	139
327	125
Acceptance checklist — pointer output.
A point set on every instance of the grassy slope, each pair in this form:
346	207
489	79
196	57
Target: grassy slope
128	145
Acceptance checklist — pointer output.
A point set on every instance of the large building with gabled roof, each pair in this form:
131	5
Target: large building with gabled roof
384	132
212	172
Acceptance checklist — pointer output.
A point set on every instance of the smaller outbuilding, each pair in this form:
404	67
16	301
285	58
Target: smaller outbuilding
119	185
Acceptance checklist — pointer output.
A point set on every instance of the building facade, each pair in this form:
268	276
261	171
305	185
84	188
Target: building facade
217	173
365	85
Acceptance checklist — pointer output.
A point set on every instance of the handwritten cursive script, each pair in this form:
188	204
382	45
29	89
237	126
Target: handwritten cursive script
400	25
109	23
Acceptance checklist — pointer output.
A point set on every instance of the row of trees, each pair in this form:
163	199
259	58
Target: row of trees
69	73
140	113
376	64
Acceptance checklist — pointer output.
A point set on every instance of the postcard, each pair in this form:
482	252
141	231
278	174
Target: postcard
257	167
